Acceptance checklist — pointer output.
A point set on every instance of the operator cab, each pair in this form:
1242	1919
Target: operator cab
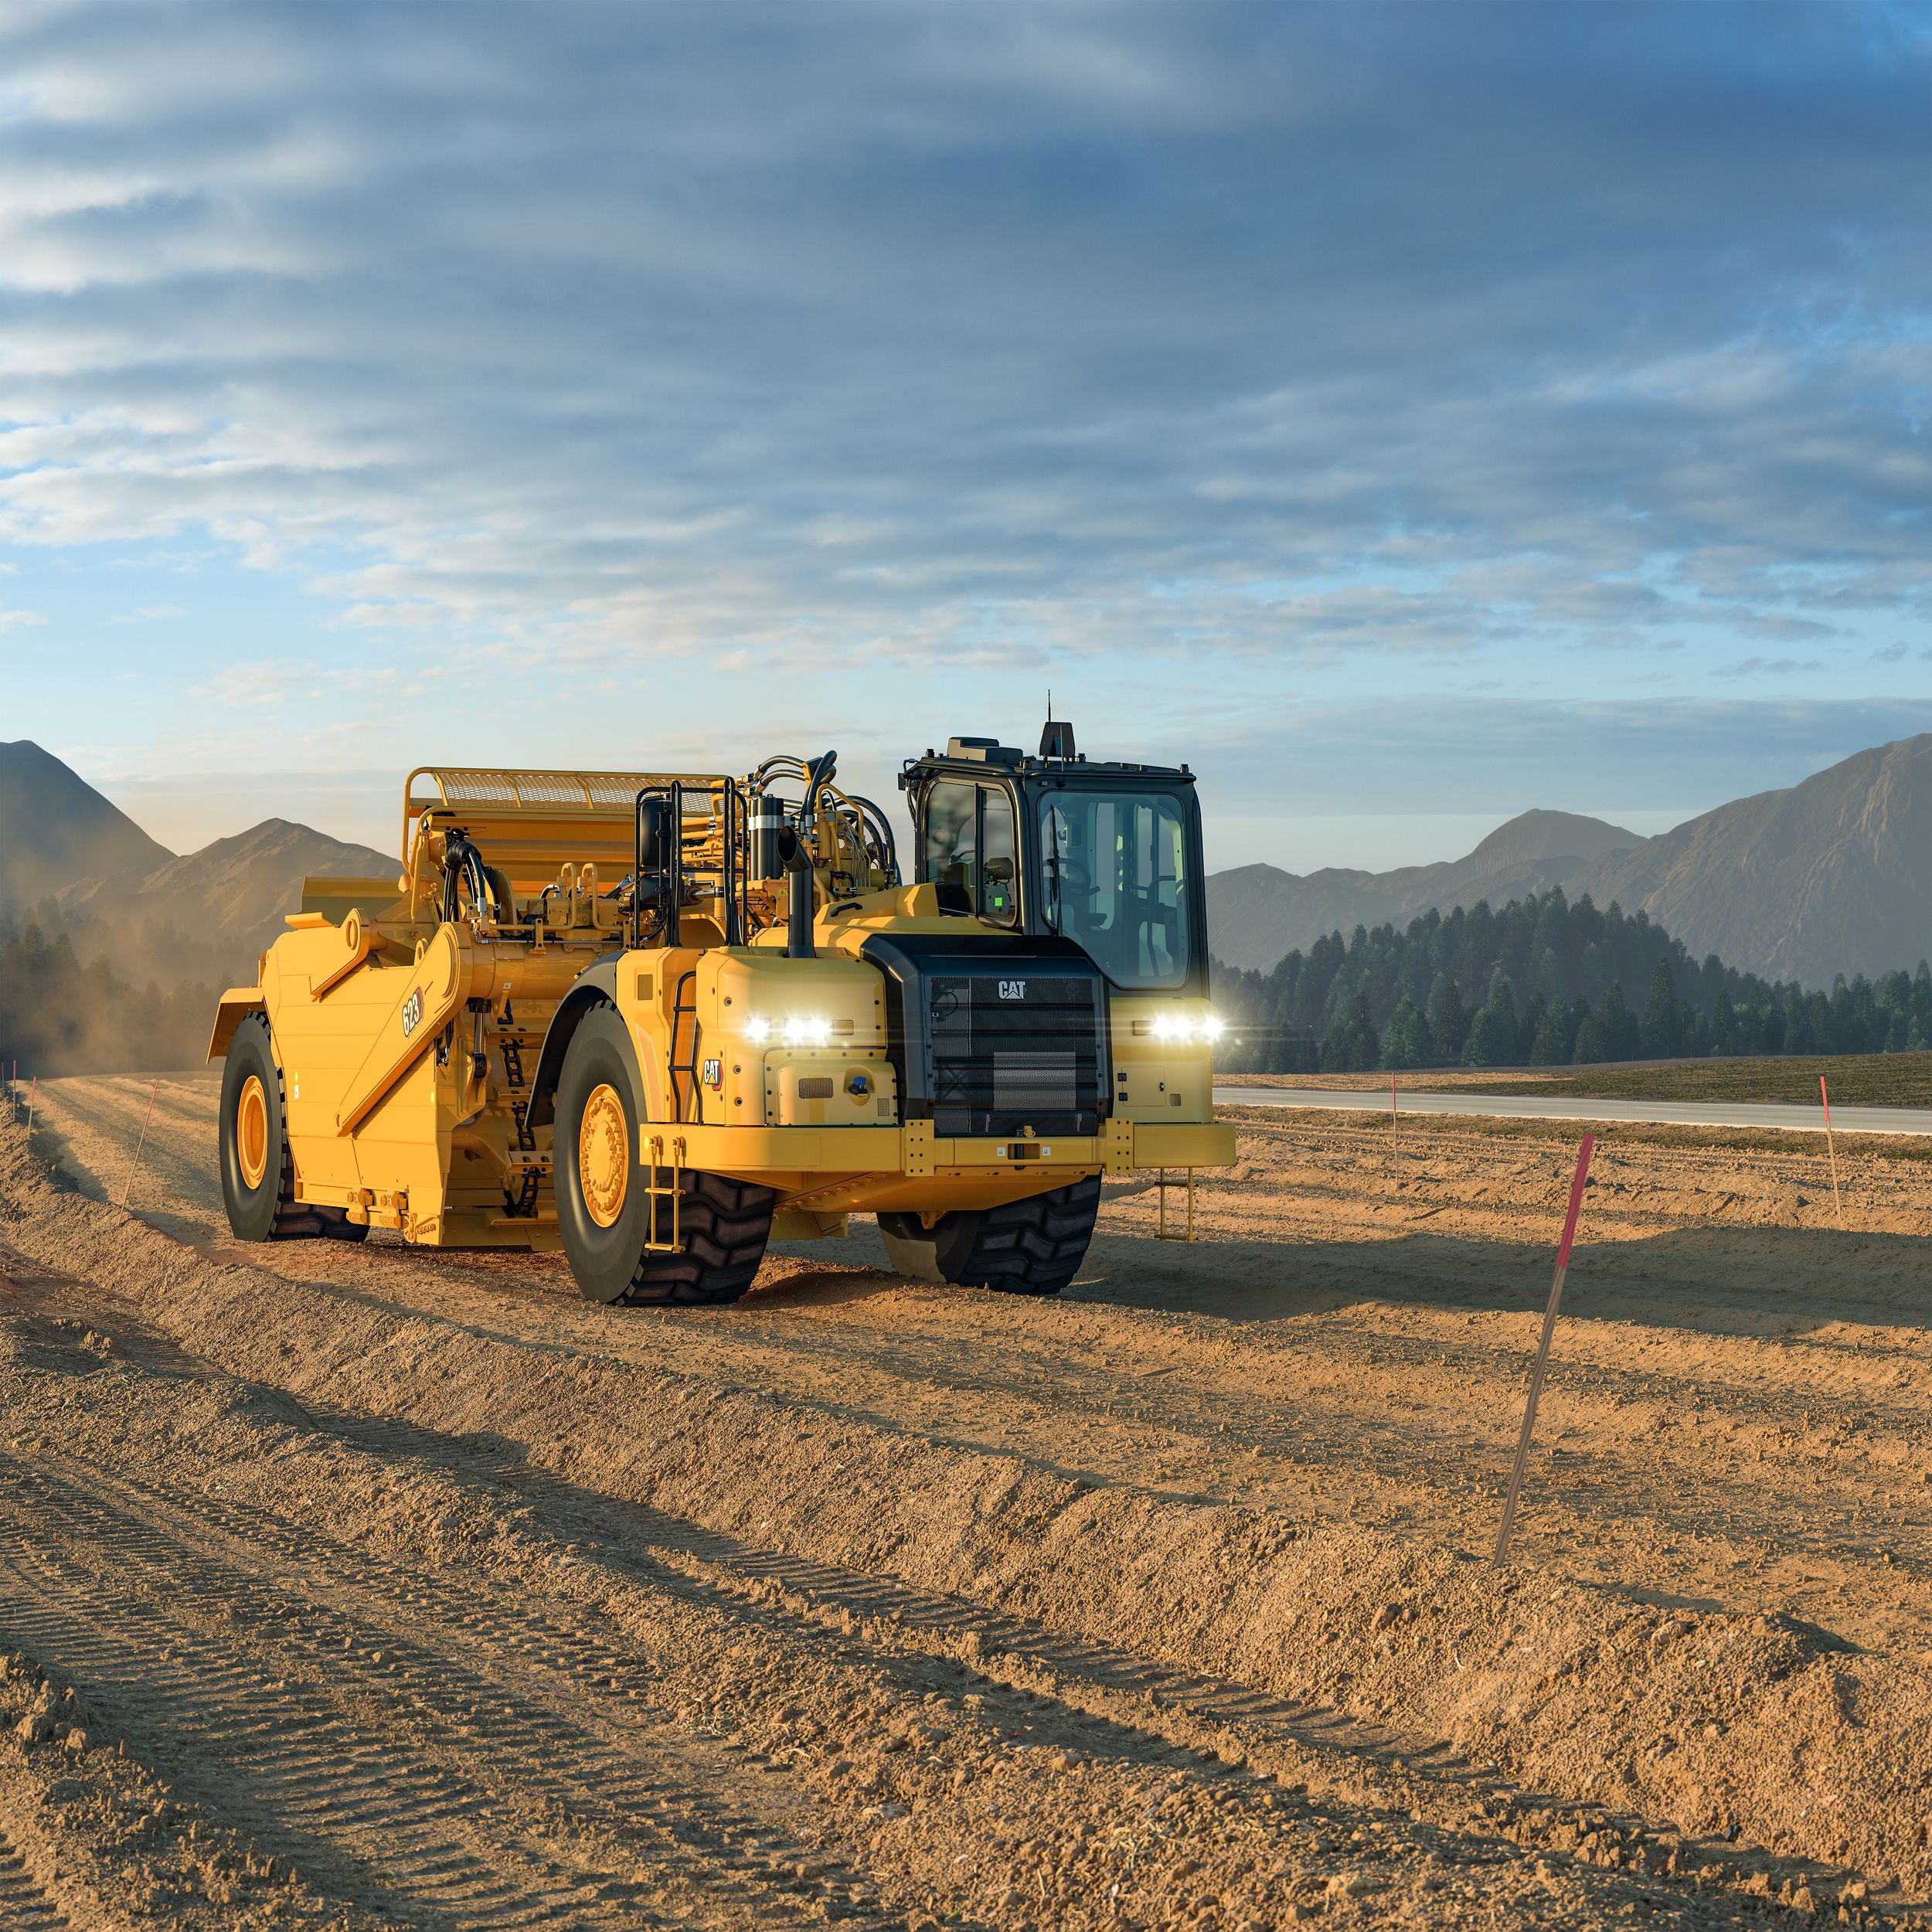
1107	855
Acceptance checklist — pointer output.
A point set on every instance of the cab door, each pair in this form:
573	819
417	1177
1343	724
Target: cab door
967	849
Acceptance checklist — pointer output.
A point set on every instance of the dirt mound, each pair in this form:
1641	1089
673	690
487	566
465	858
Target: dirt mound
1723	1724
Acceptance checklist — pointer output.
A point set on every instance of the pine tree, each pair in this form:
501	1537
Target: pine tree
1352	1047
1555	1035
1533	1020
1404	1040
1663	1037
1492	1035
1593	1045
1621	1038
1723	1025
1449	1020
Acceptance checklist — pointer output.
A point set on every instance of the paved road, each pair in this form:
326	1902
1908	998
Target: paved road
1550	1106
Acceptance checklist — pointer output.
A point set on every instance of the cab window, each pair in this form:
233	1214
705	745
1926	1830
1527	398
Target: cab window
999	886
969	850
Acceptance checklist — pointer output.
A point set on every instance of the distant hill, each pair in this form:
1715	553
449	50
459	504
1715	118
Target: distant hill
54	829
1258	914
240	887
1833	876
60	839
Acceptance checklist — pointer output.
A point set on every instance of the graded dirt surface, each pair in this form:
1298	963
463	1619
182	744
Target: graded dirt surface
385	1587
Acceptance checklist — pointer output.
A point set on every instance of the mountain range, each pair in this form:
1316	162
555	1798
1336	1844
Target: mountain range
1831	875
61	840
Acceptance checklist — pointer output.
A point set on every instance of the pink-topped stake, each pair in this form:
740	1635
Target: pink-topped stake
142	1142
1542	1347
1830	1150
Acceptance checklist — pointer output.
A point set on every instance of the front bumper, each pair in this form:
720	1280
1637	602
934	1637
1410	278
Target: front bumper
822	1160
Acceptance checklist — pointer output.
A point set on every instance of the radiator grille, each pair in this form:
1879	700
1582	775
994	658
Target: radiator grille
1011	1052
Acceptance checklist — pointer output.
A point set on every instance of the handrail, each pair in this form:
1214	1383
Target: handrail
517	788
670	874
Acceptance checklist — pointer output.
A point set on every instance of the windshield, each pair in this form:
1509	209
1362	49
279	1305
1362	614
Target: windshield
1114	868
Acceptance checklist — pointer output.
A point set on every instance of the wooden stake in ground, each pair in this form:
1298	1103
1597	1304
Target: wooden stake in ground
1830	1150
141	1144
33	1093
1542	1347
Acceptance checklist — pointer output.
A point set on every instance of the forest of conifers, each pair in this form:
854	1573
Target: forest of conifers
1543	983
59	1015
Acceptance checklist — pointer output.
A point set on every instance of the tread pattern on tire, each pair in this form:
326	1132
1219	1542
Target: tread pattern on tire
299	1220
1033	1246
724	1226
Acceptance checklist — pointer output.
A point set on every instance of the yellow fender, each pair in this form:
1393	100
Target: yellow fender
237	1004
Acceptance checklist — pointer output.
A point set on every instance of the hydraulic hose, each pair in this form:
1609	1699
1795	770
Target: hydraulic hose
461	860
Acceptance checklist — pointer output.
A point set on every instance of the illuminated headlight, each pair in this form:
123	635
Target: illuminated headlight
1183	1028
758	1031
807	1032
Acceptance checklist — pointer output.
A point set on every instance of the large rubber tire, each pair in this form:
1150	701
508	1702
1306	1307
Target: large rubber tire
722	1224
1033	1246
266	1210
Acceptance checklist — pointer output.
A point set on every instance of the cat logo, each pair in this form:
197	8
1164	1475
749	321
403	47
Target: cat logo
1012	989
714	1073
412	1012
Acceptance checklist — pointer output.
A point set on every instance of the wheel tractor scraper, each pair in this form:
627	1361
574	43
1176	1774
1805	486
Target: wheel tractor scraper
659	1019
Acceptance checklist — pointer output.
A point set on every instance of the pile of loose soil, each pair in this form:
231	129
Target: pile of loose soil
1717	1724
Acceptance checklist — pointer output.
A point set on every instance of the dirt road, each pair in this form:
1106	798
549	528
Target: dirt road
394	1587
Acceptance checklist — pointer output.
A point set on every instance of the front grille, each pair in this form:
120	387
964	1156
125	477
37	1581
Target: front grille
1029	1083
1011	1051
993	1036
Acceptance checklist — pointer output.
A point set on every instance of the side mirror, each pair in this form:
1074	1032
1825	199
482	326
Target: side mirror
654	826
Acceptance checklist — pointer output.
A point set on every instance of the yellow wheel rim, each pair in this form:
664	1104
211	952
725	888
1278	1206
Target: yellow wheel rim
603	1156
251	1130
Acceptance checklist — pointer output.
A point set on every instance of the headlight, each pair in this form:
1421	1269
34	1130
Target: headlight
796	1032
1184	1028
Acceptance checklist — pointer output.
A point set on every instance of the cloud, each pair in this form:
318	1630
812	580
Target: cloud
1765	667
265	681
1279	332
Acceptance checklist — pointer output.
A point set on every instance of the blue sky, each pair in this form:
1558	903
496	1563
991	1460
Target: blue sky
1406	413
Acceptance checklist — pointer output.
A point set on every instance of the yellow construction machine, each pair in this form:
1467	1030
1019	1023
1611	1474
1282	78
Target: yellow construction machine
659	1020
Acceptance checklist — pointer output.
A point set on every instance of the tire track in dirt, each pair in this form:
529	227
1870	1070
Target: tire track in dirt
319	1746
23	1904
1318	1445
293	1589
822	1334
